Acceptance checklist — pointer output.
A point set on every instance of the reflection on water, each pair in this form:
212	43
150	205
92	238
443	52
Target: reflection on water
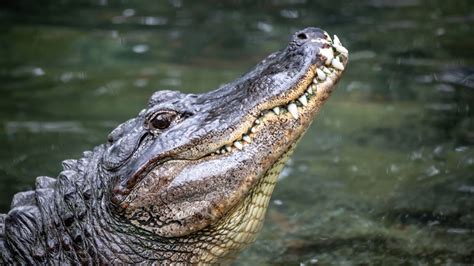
386	174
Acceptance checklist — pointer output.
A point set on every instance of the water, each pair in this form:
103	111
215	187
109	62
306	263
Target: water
384	175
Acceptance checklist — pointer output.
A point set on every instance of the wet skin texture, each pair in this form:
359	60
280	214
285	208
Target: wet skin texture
186	181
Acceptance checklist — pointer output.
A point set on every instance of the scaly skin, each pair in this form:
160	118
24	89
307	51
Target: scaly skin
186	181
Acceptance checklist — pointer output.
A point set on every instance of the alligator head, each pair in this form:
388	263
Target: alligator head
193	165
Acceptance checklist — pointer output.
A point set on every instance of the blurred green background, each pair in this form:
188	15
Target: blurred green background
384	176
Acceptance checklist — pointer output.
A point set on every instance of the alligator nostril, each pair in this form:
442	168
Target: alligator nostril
302	36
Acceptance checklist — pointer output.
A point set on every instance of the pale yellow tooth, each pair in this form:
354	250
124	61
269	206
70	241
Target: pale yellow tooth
223	150
341	49
253	129
310	89
315	80
276	110
293	109
316	90
321	74
257	122
328	53
303	100
326	70
337	41
228	148
327	36
247	139
238	145
337	64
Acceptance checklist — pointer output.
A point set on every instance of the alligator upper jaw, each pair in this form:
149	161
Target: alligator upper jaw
227	118
281	83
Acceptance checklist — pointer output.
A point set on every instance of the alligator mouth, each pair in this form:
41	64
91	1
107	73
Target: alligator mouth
297	105
314	89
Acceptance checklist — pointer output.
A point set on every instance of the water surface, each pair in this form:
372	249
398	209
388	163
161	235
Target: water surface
384	175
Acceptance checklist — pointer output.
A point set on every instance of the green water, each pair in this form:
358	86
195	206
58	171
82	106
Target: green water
384	176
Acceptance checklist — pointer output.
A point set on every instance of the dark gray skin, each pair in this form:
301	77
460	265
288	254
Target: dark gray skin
186	181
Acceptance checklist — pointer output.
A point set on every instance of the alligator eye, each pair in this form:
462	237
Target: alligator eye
160	123
161	120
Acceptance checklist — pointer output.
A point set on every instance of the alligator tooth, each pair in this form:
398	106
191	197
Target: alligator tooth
310	89
223	151
337	41
247	139
326	70
341	49
314	90
218	152
276	110
321	74
337	64
293	110
238	145
228	148
327	36
257	122
328	53
253	129
315	80
303	100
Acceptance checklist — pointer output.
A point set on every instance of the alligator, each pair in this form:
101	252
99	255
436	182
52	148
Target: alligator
186	181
